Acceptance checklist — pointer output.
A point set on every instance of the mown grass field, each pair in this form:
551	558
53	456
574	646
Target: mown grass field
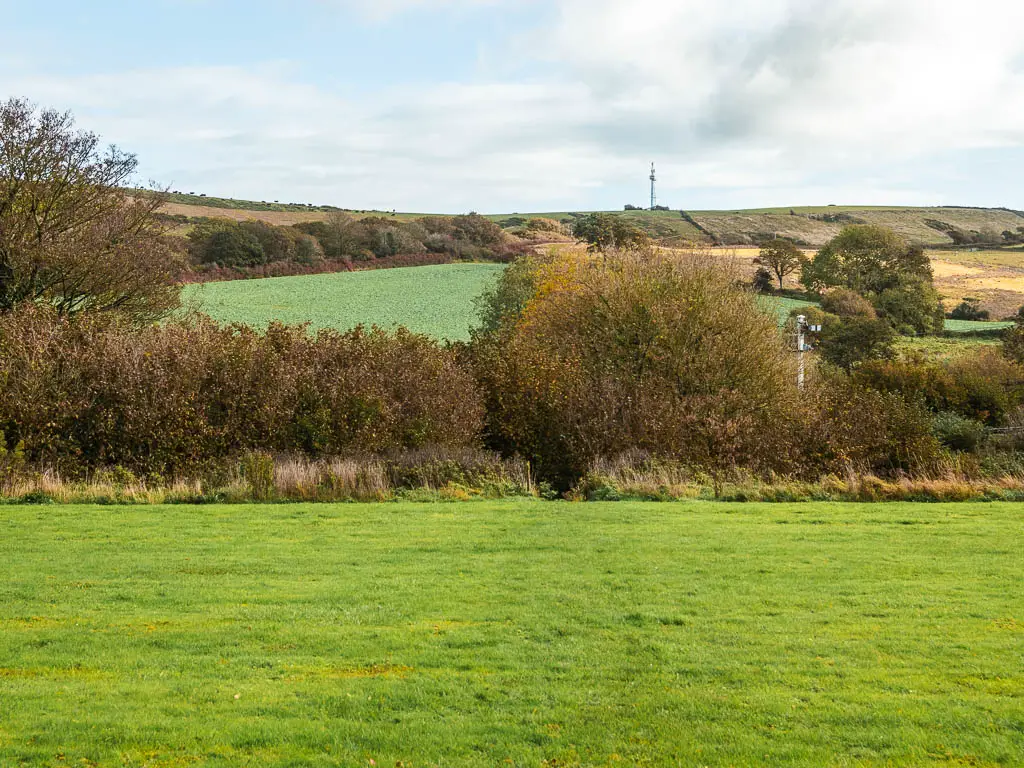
435	300
512	633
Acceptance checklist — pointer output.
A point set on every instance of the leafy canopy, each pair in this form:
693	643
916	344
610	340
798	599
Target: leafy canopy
867	259
72	235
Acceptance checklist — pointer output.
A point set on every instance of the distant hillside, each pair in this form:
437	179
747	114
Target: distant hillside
809	226
182	198
816	226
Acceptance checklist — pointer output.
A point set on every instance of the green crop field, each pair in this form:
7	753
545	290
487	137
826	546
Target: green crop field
512	633
435	300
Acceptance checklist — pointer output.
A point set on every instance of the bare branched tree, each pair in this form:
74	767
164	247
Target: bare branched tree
72	232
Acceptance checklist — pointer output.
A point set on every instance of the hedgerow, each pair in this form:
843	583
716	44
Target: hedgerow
82	394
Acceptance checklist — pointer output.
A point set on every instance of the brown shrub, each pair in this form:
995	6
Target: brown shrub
850	428
168	398
984	386
650	351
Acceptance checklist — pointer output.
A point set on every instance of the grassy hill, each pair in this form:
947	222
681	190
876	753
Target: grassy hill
812	226
994	275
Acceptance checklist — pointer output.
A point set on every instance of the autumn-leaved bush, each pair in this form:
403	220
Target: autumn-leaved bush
641	350
984	386
92	392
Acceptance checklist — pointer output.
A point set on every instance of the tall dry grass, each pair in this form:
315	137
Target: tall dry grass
260	477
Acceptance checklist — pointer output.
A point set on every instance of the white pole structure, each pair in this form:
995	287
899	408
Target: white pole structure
801	325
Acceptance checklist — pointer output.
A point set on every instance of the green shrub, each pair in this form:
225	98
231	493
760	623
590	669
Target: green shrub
257	468
843	302
853	340
958	432
763	281
912	307
969	309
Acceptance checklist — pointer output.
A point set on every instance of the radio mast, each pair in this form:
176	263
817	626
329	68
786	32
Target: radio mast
654	196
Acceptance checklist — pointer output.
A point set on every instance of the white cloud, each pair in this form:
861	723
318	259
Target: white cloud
762	98
833	80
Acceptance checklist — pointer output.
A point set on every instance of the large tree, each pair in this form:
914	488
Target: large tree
72	232
867	259
604	231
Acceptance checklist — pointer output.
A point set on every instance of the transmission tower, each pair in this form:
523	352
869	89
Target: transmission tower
654	196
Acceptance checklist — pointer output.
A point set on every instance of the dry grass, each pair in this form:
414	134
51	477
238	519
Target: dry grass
447	474
807	225
632	477
282	218
1000	288
636	477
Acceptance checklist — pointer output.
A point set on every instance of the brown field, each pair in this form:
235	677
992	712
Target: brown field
283	218
1000	288
995	277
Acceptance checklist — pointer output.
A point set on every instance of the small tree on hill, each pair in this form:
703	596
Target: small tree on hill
781	256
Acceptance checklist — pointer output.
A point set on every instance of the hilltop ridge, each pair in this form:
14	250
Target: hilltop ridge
811	226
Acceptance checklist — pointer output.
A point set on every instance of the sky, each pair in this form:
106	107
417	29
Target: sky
504	106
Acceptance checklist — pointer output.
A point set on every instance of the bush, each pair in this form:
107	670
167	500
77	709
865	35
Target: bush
230	246
969	309
763	281
843	302
867	259
848	426
540	224
912	307
985	387
848	342
958	432
649	352
607	232
170	398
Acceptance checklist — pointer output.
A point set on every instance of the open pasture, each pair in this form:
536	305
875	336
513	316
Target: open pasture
512	633
435	300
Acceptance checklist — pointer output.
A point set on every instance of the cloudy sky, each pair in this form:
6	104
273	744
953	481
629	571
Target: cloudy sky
530	105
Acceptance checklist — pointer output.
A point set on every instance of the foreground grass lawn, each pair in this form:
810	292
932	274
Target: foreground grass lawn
512	633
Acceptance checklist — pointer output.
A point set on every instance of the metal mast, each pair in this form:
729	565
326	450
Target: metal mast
654	197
